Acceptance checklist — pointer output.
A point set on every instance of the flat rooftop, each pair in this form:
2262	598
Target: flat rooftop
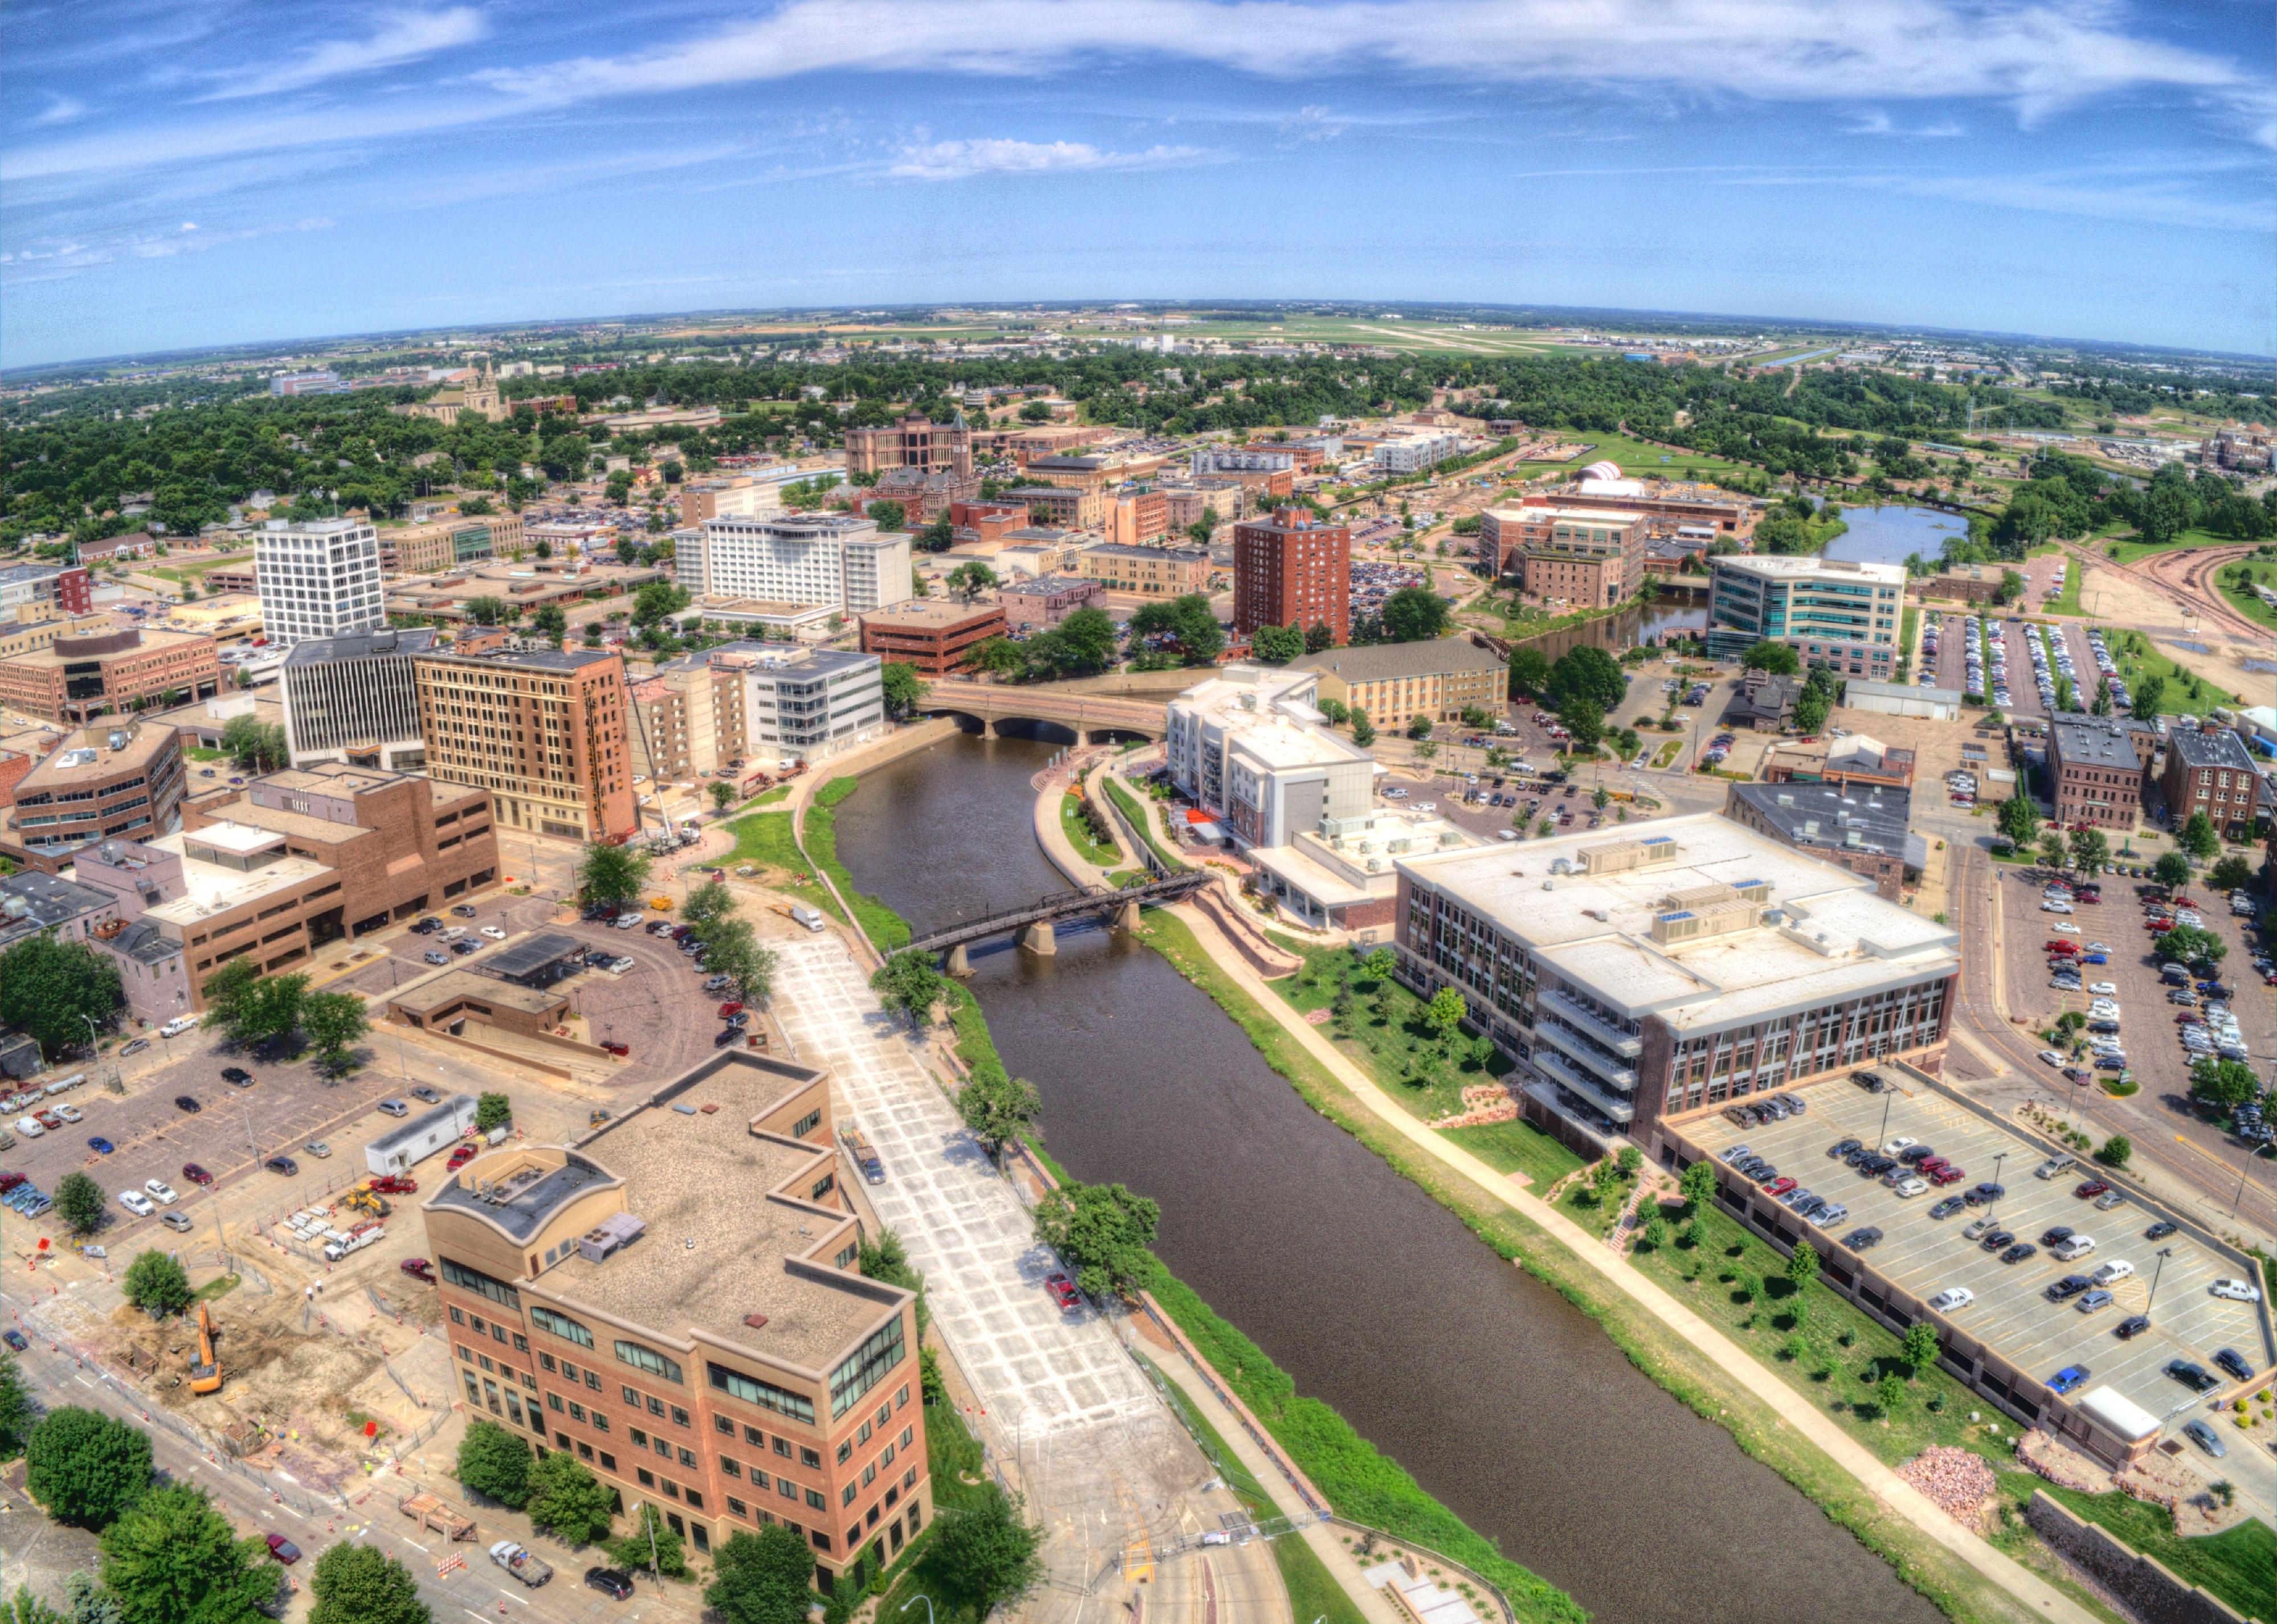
1806	567
86	756
922	615
2097	741
424	997
1826	938
209	888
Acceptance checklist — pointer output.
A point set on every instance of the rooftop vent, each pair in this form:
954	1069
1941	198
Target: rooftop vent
757	1321
684	1108
612	1233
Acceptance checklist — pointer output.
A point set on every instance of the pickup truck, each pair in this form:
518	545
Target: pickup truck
355	1240
521	1564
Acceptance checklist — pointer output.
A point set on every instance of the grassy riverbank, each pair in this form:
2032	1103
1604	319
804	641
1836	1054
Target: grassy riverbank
885	927
1675	1365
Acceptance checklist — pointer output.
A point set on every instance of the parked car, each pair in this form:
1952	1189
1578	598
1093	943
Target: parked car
393	1107
1951	1298
2235	1291
1063	1290
2234	1363
286	1165
459	1157
101	1146
422	1091
237	1076
2192	1375
187	1102
418	1269
2198	1432
136	1202
2066	1379
195	1174
610	1582
2134	1325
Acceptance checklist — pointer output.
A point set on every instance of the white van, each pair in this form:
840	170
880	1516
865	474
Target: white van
2117	1270
806	915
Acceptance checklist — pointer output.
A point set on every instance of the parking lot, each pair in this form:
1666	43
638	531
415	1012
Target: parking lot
2023	694
1919	1256
2148	1023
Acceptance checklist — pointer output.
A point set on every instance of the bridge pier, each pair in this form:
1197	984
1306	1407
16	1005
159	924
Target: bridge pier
1126	917
957	963
1039	938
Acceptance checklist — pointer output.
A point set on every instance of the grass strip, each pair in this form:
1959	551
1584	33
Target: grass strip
2238	1565
1079	836
1142	820
952	1454
883	927
1678	1368
766	839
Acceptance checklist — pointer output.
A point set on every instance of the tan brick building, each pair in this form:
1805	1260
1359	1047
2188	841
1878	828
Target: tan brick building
1148	572
449	544
935	636
544	730
80	676
121	783
1395	682
720	1360
1067	508
1582	557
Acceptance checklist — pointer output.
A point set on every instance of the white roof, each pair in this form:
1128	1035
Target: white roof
242	838
1796	566
1281	744
1592	485
2119	1414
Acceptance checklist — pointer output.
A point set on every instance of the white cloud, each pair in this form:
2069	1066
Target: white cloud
1876	122
956	160
401	37
60	109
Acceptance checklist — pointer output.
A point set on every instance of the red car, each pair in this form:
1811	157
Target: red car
8	1181
1947	1175
2159	926
726	1010
49	1120
463	1154
418	1269
195	1174
2093	1187
283	1549
621	1050
1779	1186
2185	901
2061	947
396	1183
1063	1290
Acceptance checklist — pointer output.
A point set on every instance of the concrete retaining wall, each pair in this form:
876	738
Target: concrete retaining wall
2143	1587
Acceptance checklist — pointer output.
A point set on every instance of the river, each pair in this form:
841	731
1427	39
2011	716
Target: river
1505	1401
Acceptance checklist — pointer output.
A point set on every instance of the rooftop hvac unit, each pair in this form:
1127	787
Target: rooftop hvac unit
117	739
15	907
617	1230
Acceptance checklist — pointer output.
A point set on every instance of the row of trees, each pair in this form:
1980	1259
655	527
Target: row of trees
253	1009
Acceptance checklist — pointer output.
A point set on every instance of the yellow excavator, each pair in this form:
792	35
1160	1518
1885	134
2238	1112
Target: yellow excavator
205	1375
364	1198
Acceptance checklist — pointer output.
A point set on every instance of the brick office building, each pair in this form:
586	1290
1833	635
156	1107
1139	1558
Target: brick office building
1578	556
916	442
544	730
1291	571
1861	827
1395	682
122	783
2098	765
1147	572
2209	772
748	1376
933	636
1044	602
77	678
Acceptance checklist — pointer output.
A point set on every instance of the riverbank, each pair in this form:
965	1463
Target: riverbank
1956	1570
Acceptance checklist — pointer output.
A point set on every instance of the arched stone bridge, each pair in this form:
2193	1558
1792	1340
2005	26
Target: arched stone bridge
1092	718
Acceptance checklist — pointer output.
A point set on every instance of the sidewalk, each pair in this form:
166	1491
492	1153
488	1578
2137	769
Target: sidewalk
1790	1406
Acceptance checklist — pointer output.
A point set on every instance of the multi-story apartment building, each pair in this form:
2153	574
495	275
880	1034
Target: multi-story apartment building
356	700
804	704
1395	682
2208	771
317	578
544	730
302	857
1414	452
1203	721
1579	556
1040	604
936	637
1138	516
674	1296
79	677
1242	459
1291	571
2098	767
916	442
1150	572
1067	506
1832	612
448	543
68	588
824	559
125	781
1639	980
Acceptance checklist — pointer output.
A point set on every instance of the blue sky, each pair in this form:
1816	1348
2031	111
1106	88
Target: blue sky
177	174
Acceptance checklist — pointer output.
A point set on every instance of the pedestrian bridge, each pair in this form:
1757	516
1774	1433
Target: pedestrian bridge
1035	920
1093	718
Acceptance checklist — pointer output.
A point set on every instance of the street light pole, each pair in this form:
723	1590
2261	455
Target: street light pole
914	1600
2164	1254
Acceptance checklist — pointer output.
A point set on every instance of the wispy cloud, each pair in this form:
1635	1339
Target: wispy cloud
959	160
1876	122
60	110
400	37
1311	124
49	258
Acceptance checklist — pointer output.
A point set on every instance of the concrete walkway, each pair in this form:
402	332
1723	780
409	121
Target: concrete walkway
1791	1407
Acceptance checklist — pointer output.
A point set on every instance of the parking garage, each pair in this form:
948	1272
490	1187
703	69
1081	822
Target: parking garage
2012	1338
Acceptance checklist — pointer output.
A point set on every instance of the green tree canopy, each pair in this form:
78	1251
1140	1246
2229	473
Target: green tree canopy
616	874
888	515
995	1106
494	1462
904	689
486	610
2089	850
1772	656
2230	874
2188	943
1585	719
2197	837
2019	818
550	623
156	1284
85	1468
1414	614
81	1202
1810	711
172	1559
1104	1231
492	1110
253	746
969	579
1698	1185
2115	1151
988	1554
1585	672
566	1500
1278	645
2226	1083
334	1022
762	1578
2172	870
362	1584
1187	621
1529	672
15	1408
650	1543
51	990
1920	1349
910	985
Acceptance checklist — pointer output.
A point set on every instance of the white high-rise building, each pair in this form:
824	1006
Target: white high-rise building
826	559
317	578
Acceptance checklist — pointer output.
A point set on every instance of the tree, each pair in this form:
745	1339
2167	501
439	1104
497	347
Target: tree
908	984
492	1111
1529	672
1332	710
2090	852
2230	874
1414	614
969	579
2197	837
888	515
2148	693
2224	1084
1585	672
995	1106
2172	870
2019	818
1363	730
904	689
255	746
29	1609
334	1022
988	1554
763	1578
723	795
938	537
494	1462
1810	710
1919	1350
486	610
157	1285
1278	645
1698	1184
1104	1231
1035	411
886	1259
651	1544
566	1500
706	905
2188	944
2053	851
1585	719
1446	1012
1187	621
2115	1150
656	600
732	948
1599	796
15	1408
86	1468
172	1557
550	624
2102	704
51	990
1319	636
1801	1269
362	1584
1420	726
613	874
1778	658
86	1602
80	1201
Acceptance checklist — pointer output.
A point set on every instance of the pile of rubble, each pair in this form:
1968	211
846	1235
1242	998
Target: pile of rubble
1483	1102
1957	1480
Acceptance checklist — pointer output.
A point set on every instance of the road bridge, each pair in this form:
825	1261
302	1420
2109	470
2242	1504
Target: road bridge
1093	718
1035	920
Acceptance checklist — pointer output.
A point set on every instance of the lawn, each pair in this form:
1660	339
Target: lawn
1517	1147
2067	602
1639	459
1906	626
2138	658
952	1454
883	927
2236	582
764	838
199	752
2238	1565
1087	845
1314	1592
2126	551
1142	819
1385	1031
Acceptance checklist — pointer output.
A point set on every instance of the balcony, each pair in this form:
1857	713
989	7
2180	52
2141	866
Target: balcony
1575	1015
1620	1077
1615	1106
